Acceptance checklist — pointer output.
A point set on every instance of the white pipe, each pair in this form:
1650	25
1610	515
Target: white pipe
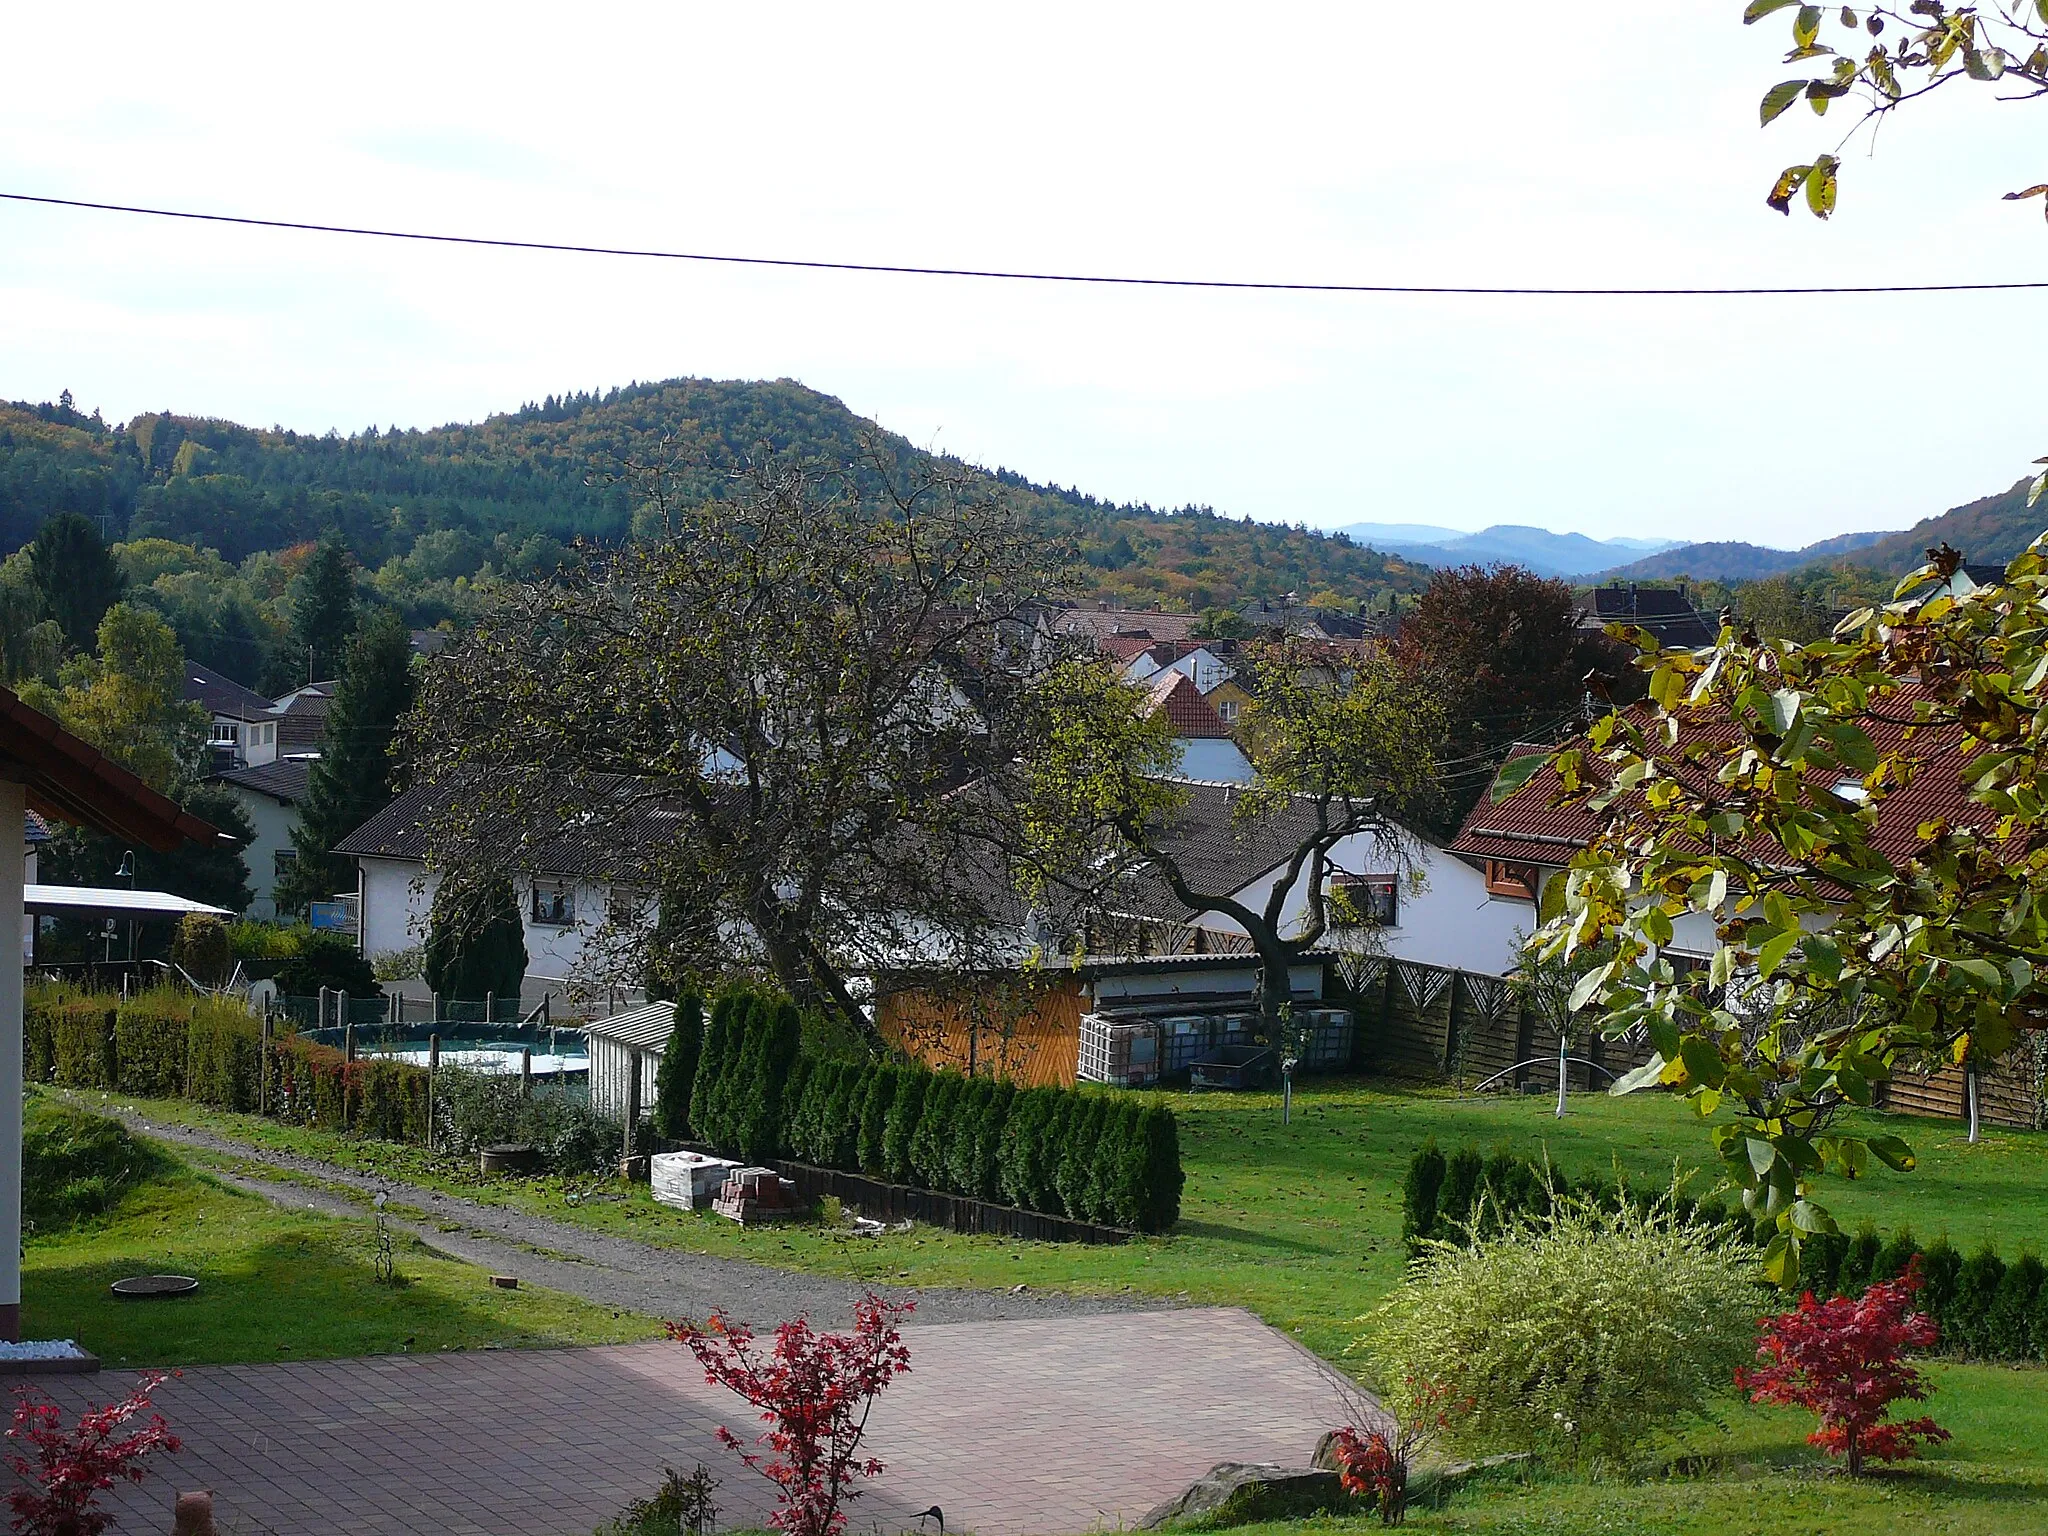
13	813
1563	1071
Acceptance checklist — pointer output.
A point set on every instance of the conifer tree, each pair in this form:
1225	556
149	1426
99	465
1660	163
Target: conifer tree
351	781
323	608
76	576
677	1074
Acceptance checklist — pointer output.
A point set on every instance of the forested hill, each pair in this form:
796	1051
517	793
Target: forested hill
505	493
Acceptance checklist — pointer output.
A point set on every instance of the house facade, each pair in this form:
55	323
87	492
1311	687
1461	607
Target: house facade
270	794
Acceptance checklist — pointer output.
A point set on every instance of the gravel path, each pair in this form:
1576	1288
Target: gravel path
616	1271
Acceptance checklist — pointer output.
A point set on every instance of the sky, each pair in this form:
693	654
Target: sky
1607	145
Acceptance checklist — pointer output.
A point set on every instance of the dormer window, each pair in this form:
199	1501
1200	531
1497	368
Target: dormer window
1851	790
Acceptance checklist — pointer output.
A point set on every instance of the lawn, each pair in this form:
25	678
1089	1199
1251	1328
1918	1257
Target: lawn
275	1285
1300	1223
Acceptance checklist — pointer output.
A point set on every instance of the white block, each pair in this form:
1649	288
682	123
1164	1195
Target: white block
688	1179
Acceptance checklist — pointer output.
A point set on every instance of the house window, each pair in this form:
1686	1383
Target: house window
626	907
225	733
554	905
1227	708
1368	900
283	862
1505	879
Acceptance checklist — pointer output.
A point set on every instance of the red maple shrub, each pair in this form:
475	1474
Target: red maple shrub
1844	1359
59	1486
1373	1465
815	1391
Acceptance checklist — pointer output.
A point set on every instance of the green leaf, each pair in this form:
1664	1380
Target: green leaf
1823	957
1642	1077
1821	186
1806	25
1893	1153
1757	10
1784	709
1778	98
1773	954
1762	1155
1703	1063
1517	772
1983	972
1781	1261
1984	63
1589	986
1808	1217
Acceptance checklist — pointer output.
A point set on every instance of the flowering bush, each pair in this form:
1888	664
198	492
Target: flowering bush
1580	1332
59	1486
1842	1359
814	1391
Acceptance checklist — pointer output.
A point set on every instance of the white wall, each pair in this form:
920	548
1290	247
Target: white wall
273	824
398	895
1216	760
1450	920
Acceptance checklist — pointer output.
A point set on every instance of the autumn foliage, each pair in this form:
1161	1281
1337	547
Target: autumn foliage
58	1486
815	1391
1844	1360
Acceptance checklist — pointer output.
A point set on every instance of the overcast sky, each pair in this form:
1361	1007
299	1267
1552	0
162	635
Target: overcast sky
1313	143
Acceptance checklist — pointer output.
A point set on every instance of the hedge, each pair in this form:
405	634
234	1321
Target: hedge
1095	1156
172	1044
1985	1307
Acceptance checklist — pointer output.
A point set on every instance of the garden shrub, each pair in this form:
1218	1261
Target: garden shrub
203	947
1083	1130
1580	1334
75	1165
1861	1259
1419	1191
878	1097
677	1075
80	1041
1967	1325
150	1043
2009	1323
906	1110
1820	1261
754	1096
1940	1266
1159	1134
328	960
963	1147
1021	1147
223	1048
988	1140
839	1128
481	1109
1895	1256
1463	1173
2037	1326
932	1142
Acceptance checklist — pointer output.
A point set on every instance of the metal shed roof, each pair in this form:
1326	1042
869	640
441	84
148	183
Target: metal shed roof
101	901
641	1028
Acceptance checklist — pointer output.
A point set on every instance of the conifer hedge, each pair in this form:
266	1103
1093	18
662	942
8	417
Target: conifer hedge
1095	1156
1987	1308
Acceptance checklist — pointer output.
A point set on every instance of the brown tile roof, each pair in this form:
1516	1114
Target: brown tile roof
1529	827
72	781
1192	717
1144	623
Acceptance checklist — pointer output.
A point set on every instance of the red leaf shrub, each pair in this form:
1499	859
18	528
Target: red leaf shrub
60	1485
814	1391
1843	1359
1373	1467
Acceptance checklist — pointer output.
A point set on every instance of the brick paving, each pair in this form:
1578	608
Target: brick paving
1029	1428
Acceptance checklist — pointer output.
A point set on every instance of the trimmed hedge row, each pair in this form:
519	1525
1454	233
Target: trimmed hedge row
1986	1308
1098	1157
1441	1194
168	1044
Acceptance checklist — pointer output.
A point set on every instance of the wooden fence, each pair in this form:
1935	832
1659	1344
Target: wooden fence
1417	1020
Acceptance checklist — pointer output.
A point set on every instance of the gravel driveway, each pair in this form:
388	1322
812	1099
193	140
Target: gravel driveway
616	1271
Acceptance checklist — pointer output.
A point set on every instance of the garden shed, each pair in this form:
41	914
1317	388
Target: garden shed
621	1045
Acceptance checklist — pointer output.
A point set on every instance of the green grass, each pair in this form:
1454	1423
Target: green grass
1300	1223
275	1285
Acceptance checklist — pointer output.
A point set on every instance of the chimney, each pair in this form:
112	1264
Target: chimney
1681	589
1631	599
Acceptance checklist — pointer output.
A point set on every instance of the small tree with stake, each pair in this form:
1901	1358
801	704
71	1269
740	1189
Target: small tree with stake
1843	1358
815	1391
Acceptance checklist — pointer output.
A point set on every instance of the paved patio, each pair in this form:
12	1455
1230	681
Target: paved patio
1013	1428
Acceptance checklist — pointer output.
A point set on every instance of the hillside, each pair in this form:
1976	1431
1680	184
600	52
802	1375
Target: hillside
1544	552
445	503
1734	561
1990	530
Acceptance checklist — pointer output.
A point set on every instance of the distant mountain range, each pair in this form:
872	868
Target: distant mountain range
1544	552
1732	561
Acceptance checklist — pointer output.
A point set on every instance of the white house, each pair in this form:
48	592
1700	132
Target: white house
565	903
242	725
1196	662
1426	903
1205	750
270	795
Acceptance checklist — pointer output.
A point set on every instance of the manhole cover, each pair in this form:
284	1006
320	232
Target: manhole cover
139	1287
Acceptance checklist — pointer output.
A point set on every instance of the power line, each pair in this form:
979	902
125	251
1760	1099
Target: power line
1098	279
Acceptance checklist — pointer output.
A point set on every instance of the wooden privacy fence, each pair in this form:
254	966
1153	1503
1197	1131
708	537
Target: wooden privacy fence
900	1202
1417	1020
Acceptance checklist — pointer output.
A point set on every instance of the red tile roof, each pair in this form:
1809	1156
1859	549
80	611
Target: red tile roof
1529	827
1190	715
72	781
